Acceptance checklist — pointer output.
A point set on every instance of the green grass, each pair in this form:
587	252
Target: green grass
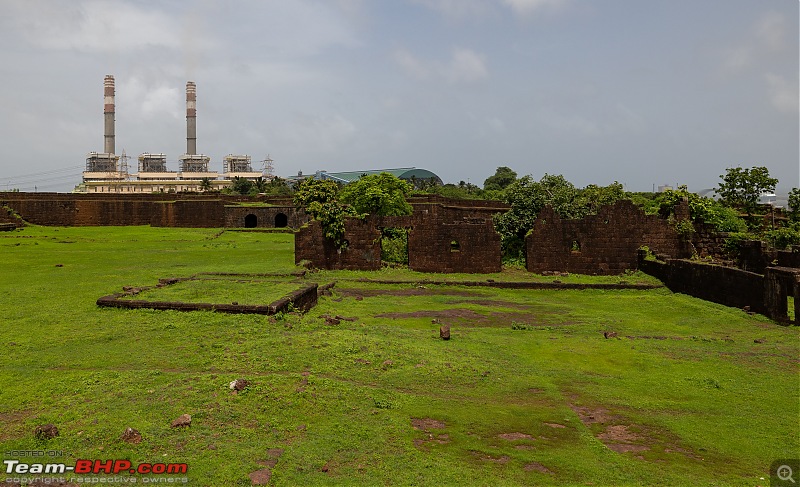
221	290
699	402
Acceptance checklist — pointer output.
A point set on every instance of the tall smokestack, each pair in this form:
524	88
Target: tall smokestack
108	112
191	118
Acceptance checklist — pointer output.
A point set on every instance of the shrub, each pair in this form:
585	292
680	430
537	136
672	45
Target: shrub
781	238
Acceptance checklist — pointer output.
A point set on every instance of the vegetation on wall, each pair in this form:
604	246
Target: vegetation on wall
378	194
527	197
319	199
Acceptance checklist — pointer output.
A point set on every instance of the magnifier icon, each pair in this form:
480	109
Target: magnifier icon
785	473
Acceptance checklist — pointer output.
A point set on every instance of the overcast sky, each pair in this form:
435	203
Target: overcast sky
642	92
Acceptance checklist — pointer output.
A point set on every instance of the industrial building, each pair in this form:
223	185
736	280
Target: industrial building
107	172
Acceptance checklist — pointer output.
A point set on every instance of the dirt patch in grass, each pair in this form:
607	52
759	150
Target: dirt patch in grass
414	291
536	467
515	436
13	423
555	425
619	433
468	317
502	459
592	415
427	424
492	303
620	438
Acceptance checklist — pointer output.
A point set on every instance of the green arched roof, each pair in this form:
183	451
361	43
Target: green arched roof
402	173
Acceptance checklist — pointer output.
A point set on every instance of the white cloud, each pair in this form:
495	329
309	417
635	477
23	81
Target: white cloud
138	99
766	36
619	120
771	30
457	9
91	25
528	7
410	64
465	66
782	94
737	59
319	134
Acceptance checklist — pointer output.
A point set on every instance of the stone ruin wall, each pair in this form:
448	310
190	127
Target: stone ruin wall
765	293
605	243
158	210
441	238
266	217
363	251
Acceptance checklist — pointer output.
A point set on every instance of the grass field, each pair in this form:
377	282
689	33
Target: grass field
527	392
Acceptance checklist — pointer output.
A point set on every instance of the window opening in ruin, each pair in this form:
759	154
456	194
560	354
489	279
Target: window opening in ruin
250	221
455	246
281	220
576	246
394	245
790	308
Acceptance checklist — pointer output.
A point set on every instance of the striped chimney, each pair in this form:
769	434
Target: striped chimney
108	112
191	118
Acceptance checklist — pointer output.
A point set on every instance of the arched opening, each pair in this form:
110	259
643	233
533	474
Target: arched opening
281	220
250	221
454	246
576	247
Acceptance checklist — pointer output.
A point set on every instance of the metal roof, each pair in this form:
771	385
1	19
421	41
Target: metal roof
402	173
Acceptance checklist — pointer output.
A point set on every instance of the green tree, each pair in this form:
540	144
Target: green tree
241	185
312	190
205	184
277	187
319	199
591	198
527	197
502	178
259	185
378	194
794	204
701	210
742	188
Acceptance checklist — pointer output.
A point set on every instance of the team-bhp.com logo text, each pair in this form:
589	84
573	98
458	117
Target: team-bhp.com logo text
89	467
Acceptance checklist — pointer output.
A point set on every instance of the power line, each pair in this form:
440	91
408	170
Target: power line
42	173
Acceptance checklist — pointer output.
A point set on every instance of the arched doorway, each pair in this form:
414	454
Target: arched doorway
281	220
250	221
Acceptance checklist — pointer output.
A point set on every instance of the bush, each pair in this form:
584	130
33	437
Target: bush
733	244
394	245
783	237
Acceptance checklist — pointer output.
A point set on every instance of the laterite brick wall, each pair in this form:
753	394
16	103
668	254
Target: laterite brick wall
605	243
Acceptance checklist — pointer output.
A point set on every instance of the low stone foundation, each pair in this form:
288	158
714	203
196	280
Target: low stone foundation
766	294
302	299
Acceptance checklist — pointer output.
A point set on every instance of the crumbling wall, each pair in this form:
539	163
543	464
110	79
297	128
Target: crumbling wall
189	213
363	250
266	216
70	211
468	245
779	284
184	210
724	285
789	258
605	243
440	239
756	256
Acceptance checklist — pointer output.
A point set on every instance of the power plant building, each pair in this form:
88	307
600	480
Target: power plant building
107	172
